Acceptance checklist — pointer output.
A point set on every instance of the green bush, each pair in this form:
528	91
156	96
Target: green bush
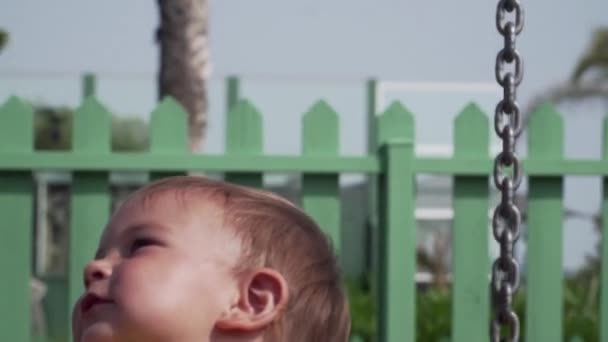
434	310
433	315
362	308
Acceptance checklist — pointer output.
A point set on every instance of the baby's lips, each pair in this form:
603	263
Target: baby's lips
90	300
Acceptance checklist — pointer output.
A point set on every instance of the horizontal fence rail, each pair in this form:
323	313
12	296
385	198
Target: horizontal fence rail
61	161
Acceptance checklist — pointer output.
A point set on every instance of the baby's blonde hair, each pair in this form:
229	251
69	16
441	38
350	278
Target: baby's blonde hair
278	235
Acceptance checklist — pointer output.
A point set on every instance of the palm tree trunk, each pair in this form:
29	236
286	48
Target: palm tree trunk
184	61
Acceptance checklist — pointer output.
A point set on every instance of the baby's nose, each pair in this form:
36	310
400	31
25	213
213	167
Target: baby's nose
96	270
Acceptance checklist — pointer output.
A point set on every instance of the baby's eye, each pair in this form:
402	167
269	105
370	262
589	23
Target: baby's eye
139	243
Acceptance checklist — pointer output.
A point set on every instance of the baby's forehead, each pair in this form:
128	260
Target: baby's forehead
167	205
182	200
166	210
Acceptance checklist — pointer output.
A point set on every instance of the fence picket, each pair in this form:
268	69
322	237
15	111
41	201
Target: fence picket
321	192
90	199
168	132
388	126
233	91
16	189
470	232
396	290
545	231
89	85
244	138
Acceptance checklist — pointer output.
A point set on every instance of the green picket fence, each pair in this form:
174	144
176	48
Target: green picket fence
394	165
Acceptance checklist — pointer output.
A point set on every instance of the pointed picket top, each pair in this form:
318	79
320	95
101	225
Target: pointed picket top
16	126
320	130
169	127
244	133
395	122
92	127
546	133
471	132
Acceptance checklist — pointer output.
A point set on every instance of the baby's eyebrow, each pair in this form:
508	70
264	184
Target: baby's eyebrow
129	231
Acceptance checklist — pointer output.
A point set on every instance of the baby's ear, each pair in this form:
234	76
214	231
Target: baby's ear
262	296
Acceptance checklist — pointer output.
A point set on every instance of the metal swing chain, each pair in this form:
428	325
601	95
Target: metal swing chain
507	218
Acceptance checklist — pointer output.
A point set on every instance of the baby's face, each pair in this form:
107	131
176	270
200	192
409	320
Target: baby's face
163	272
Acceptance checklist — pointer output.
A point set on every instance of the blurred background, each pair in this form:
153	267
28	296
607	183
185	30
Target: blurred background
435	57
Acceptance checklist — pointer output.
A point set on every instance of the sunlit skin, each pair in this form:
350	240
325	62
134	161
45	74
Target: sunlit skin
164	272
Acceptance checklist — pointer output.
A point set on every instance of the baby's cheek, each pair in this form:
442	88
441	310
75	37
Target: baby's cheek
151	291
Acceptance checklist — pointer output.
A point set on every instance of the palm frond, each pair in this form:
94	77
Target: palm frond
596	55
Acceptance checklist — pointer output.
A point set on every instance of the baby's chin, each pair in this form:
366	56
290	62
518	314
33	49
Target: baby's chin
101	331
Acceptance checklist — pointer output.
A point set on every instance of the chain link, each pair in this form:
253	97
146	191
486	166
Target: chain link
506	220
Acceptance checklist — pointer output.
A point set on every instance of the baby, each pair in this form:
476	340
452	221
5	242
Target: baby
188	259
